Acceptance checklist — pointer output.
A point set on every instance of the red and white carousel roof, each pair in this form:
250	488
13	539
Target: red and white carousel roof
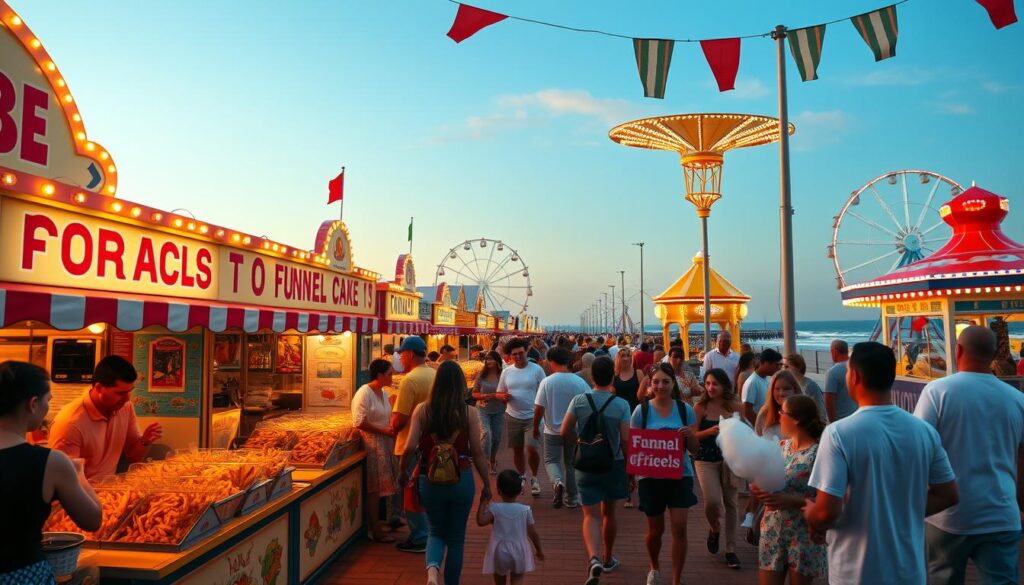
978	256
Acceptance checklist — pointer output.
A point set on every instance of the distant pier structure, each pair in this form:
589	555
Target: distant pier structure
746	335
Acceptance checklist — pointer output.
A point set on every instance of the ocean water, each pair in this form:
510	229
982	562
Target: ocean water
819	334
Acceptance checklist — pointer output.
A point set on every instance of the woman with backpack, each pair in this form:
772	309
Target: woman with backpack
598	424
667	411
447	438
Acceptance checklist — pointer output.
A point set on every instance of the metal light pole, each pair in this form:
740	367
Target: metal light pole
614	322
622	281
604	308
785	205
641	245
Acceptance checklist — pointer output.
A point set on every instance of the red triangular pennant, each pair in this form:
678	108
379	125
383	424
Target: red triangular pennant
1000	12
723	56
469	20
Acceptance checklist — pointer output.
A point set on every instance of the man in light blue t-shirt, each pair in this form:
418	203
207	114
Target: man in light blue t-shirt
878	473
755	390
838	402
553	398
980	420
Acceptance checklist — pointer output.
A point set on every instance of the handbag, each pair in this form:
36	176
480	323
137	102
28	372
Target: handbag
411	498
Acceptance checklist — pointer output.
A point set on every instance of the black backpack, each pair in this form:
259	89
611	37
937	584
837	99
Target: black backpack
645	407
594	454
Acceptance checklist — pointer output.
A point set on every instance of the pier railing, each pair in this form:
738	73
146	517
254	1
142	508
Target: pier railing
818	360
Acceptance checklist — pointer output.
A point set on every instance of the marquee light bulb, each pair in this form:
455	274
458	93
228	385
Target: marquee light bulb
49	189
80	197
9	179
116	206
136	211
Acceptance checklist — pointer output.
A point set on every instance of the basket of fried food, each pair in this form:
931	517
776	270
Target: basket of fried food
228	482
255	471
117	499
271	436
176	514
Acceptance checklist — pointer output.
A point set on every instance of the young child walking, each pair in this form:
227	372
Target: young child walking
508	552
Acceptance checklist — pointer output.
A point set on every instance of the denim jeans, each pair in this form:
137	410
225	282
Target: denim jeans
448	509
558	457
491	428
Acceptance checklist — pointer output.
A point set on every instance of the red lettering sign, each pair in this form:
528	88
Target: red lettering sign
33	124
655	453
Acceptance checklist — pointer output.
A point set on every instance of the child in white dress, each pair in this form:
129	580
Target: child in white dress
508	552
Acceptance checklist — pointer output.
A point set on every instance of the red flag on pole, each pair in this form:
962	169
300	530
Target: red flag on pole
1000	12
723	56
470	20
335	188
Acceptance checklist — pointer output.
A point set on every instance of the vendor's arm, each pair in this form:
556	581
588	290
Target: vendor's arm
69	487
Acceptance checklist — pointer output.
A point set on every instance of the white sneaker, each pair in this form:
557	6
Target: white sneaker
535	490
748	521
654	578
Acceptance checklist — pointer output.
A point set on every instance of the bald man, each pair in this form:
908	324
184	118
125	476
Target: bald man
980	420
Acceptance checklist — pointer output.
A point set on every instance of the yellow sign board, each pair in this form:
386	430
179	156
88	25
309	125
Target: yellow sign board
401	307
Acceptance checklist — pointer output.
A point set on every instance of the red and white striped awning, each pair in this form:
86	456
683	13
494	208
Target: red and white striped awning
70	310
404	327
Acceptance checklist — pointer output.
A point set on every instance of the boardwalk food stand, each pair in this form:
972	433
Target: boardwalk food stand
222	325
398	306
682	304
977	278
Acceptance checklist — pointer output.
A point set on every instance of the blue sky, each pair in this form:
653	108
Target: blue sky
242	111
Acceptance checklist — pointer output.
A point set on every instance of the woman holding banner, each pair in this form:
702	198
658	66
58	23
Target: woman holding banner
664	487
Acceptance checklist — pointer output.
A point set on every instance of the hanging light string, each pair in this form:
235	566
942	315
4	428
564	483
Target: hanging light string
621	36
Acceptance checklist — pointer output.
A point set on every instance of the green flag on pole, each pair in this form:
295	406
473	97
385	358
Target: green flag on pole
410	229
653	57
805	45
879	31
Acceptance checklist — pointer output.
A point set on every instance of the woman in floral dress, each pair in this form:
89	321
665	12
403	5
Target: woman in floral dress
371	414
786	547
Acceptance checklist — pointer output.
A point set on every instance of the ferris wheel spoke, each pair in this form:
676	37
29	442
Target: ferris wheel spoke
469	268
934	227
509	299
491	274
869	262
886	208
927	203
476	260
906	200
873	224
489	299
460	273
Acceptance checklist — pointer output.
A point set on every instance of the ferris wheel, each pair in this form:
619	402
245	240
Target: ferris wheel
891	221
494	266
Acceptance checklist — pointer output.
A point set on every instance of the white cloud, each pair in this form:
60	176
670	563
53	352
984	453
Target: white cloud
520	110
572	102
892	77
954	108
746	88
816	130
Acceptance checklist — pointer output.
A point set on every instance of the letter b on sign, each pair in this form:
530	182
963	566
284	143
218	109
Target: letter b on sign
32	123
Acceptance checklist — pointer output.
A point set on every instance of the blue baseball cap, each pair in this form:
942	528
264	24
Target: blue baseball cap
413	343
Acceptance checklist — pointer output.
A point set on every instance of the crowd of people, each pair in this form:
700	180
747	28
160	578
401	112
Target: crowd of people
872	494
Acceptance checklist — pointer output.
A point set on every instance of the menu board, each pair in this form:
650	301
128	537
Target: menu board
330	370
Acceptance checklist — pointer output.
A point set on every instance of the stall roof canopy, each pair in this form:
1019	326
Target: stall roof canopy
471	292
690	287
977	254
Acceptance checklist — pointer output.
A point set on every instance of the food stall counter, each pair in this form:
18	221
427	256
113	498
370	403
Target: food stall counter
278	543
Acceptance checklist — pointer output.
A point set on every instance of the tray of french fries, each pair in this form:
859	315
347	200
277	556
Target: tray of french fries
176	513
219	480
117	499
261	473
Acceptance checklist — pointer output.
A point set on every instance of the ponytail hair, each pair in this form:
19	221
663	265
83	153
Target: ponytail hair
19	382
804	410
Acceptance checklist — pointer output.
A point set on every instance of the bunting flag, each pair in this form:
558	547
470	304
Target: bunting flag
723	56
470	20
335	188
653	57
1000	12
805	45
879	31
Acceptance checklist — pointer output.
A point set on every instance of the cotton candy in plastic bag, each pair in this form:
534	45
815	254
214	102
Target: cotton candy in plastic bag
753	458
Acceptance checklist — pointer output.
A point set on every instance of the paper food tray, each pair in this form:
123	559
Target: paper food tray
205	523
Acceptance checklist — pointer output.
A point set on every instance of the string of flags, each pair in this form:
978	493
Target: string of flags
879	30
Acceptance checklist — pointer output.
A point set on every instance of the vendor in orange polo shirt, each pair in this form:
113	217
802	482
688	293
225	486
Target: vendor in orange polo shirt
100	426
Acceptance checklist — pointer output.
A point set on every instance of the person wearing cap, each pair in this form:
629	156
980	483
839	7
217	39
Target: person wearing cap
412	391
99	426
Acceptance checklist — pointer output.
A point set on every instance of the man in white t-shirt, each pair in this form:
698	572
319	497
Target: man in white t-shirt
980	420
755	389
723	357
878	473
518	386
553	398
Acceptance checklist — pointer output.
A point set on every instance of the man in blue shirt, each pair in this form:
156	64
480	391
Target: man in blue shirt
980	420
838	402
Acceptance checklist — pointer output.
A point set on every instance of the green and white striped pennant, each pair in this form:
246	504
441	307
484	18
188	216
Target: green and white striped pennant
879	31
653	57
805	45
